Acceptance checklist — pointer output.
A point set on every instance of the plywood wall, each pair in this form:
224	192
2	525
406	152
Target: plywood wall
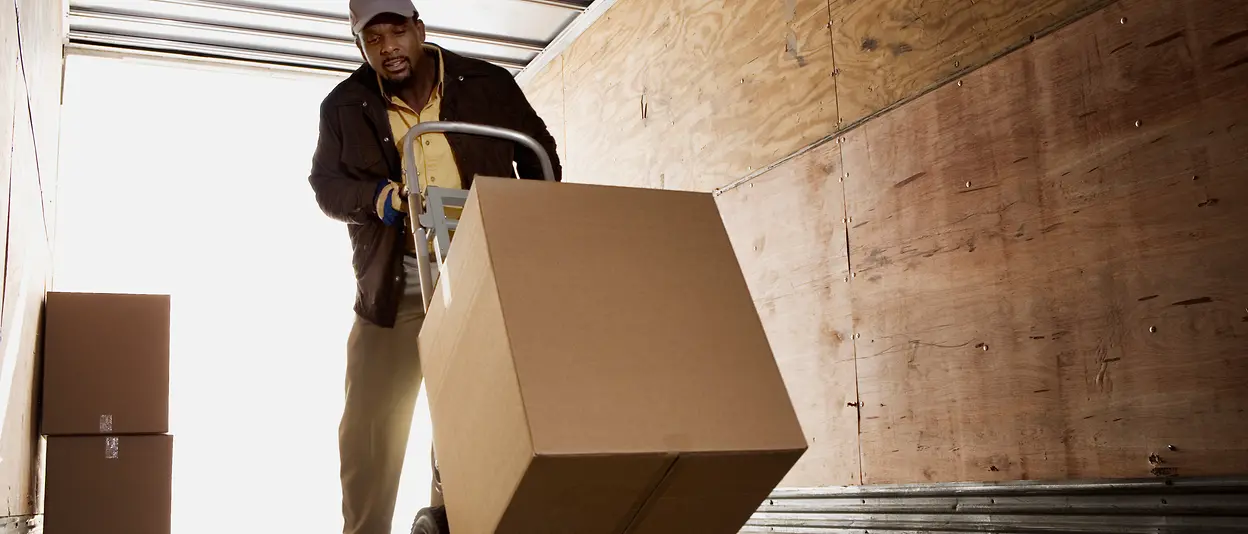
1049	258
546	97
787	231
888	51
1033	273
697	94
30	79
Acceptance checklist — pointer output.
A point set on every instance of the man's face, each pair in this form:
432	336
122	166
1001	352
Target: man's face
392	46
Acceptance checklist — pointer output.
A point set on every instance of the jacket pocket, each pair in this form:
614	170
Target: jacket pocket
362	156
361	149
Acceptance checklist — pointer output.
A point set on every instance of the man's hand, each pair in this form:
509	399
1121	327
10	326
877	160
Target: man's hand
391	204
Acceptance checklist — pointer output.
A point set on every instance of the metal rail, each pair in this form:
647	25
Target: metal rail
548	168
168	47
564	39
565	4
345	22
1214	505
88	15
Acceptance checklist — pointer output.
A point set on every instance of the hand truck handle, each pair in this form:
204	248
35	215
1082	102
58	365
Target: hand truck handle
416	208
409	163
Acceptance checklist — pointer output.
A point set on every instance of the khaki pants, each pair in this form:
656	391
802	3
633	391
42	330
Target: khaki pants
383	379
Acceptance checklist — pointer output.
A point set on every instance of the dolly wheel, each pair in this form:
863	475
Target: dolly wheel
431	521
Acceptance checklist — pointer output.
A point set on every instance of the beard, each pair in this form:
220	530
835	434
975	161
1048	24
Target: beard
396	70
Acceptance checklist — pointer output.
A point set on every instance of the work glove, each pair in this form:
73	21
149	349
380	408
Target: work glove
391	206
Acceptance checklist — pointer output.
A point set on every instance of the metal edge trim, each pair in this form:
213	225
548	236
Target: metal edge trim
562	4
564	40
1022	488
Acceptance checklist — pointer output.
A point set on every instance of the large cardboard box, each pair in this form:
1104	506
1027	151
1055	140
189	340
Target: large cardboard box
108	485
105	364
595	364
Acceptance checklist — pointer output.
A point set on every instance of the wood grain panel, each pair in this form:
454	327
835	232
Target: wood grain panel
25	273
42	58
605	74
31	128
891	50
1049	258
545	94
693	94
788	231
10	78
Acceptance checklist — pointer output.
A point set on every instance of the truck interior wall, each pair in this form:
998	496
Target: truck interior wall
1032	273
30	79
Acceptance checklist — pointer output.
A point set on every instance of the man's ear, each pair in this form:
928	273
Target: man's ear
420	29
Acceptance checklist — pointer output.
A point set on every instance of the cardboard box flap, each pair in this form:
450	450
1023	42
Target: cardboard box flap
603	286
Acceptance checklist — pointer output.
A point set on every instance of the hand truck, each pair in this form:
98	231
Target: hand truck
429	223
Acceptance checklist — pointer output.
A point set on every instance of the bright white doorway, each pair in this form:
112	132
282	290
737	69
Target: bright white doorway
190	178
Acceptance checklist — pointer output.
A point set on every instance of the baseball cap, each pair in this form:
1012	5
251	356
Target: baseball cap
363	11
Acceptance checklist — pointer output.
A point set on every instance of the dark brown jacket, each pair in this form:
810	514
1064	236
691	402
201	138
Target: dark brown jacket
356	151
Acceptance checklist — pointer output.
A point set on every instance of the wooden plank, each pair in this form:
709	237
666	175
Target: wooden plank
41	24
788	231
1046	288
545	94
609	138
704	91
25	272
891	50
10	78
32	62
709	91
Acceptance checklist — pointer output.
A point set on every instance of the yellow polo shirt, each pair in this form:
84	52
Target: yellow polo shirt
434	159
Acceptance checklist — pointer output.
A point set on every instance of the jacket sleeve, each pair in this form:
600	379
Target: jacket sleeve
340	196
528	122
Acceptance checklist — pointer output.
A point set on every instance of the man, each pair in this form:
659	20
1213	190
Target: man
358	179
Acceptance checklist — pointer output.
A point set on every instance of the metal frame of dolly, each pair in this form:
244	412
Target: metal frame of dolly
433	223
434	219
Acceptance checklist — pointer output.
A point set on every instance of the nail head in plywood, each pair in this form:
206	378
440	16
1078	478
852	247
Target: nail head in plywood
602	78
799	194
889	63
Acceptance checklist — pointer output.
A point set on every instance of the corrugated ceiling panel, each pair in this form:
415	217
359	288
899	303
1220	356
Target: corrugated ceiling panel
510	33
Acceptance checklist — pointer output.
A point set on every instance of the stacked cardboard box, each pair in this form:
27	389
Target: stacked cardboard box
105	412
595	364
